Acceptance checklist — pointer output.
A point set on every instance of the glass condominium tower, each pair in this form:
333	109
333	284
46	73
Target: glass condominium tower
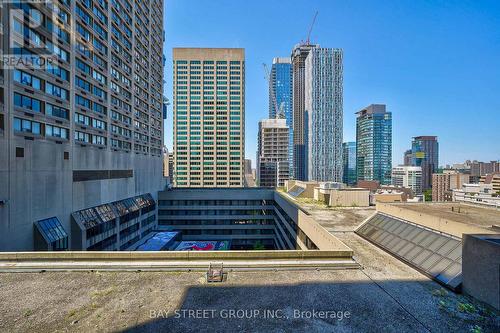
349	159
425	154
374	144
281	87
86	130
324	114
209	117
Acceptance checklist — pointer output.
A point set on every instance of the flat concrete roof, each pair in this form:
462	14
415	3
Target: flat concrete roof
386	295
183	302
469	214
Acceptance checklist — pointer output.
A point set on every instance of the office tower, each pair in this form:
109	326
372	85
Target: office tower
248	167
324	114
409	177
209	117
425	151
81	137
280	88
374	144
299	55
272	153
168	164
407	158
349	160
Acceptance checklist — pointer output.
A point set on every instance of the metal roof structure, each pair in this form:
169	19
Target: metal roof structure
53	232
90	217
434	253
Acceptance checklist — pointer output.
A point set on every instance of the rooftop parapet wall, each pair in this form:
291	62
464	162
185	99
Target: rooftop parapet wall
319	235
441	221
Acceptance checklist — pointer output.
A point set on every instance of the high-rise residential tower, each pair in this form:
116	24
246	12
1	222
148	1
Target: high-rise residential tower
81	136
280	88
425	152
209	117
299	55
349	160
374	144
324	114
272	153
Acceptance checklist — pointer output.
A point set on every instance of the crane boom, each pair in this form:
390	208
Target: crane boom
308	42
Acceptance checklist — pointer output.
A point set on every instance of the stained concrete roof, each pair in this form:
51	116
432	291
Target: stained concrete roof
469	214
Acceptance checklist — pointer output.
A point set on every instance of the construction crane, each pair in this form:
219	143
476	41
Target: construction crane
280	113
308	41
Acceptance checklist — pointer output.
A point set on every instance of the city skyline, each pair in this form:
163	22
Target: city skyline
403	77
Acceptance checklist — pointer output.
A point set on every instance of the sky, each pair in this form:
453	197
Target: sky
435	64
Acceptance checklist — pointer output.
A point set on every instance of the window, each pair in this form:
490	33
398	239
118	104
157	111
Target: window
55	131
27	79
98	140
81	83
56	111
82	101
24	125
82	119
98	124
99	108
27	102
57	71
57	91
82	137
99	92
82	66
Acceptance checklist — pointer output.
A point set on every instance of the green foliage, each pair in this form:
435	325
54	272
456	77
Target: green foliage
466	307
428	195
258	246
439	292
476	329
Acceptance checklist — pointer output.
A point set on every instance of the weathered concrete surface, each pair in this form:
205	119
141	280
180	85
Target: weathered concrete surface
139	302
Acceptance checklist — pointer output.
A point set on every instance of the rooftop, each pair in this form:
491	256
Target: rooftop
385	295
469	214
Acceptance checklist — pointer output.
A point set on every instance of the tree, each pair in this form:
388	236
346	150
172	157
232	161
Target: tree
258	246
428	195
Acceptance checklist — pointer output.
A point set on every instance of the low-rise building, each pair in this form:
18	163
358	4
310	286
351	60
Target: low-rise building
493	179
389	196
481	194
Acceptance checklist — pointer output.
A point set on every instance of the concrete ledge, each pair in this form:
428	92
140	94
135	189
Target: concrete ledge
175	265
173	255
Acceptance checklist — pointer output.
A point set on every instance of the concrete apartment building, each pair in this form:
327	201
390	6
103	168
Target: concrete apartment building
444	183
374	144
484	168
324	114
280	88
85	130
272	153
493	179
408	176
299	55
209	117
